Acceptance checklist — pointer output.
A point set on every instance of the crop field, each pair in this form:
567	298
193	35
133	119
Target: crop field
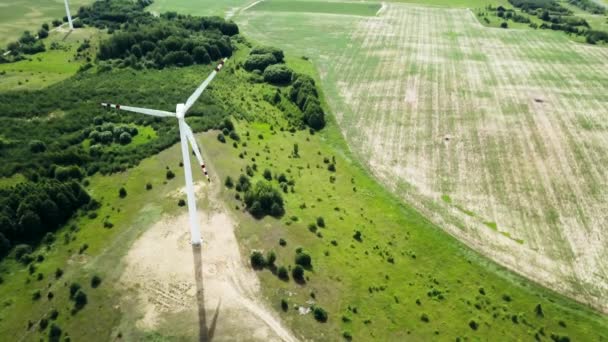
347	8
199	7
497	135
17	16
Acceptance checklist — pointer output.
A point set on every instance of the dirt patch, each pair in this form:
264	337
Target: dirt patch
209	287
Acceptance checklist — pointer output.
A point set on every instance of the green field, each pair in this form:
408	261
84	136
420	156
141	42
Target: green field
346	8
199	7
17	16
507	123
436	125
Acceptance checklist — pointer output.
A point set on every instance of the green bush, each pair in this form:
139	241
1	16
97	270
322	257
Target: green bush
267	174
259	62
74	288
263	199
320	314
229	183
320	222
278	74
284	305
262	50
122	193
95	281
80	300
298	273
257	260
170	174
282	273
271	258
303	259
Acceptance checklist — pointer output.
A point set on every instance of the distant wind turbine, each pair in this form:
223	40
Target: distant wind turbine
186	137
67	11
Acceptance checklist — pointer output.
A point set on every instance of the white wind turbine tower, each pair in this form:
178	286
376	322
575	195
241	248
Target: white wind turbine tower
186	137
67	11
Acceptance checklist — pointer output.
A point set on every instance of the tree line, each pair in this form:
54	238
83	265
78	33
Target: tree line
558	18
28	211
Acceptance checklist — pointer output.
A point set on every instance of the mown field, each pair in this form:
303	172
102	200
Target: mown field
199	7
497	135
17	16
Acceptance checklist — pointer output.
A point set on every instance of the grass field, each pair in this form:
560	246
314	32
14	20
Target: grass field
17	16
49	67
505	125
199	7
346	8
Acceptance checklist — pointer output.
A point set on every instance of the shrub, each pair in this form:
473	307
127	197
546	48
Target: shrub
304	260
80	300
267	174
148	186
538	309
54	332
331	167
181	202
37	146
43	324
54	314
425	318
473	325
504	25
36	295
95	281
506	297
282	242
170	174
347	336
271	258
122	193
284	305
357	236
257	260
21	251
262	50
278	74
58	273
229	183
312	227
298	273
320	314
259	62
282	273
234	136
320	222
264	199
74	287
221	138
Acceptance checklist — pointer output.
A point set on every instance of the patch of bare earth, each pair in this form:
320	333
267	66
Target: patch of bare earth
209	289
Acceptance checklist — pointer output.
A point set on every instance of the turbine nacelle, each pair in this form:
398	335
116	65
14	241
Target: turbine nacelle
180	110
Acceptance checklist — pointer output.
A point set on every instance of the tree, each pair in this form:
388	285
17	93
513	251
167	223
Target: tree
122	193
303	259
229	183
320	222
80	300
271	258
170	174
278	74
95	281
42	33
267	174
298	273
30	223
74	288
124	138
504	25
54	332
37	146
320	314
259	62
257	260
262	50
282	273
200	55
262	198
5	246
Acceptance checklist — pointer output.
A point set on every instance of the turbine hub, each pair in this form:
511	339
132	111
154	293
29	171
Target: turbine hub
179	110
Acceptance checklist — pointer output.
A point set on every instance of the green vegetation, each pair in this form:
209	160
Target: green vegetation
329	7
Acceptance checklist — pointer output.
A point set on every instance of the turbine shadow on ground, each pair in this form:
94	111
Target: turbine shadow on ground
66	35
205	333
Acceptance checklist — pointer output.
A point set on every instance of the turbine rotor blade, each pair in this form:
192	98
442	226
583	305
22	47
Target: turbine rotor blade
197	152
153	112
197	93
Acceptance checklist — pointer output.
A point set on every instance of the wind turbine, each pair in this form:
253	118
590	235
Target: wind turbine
67	11
186	136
